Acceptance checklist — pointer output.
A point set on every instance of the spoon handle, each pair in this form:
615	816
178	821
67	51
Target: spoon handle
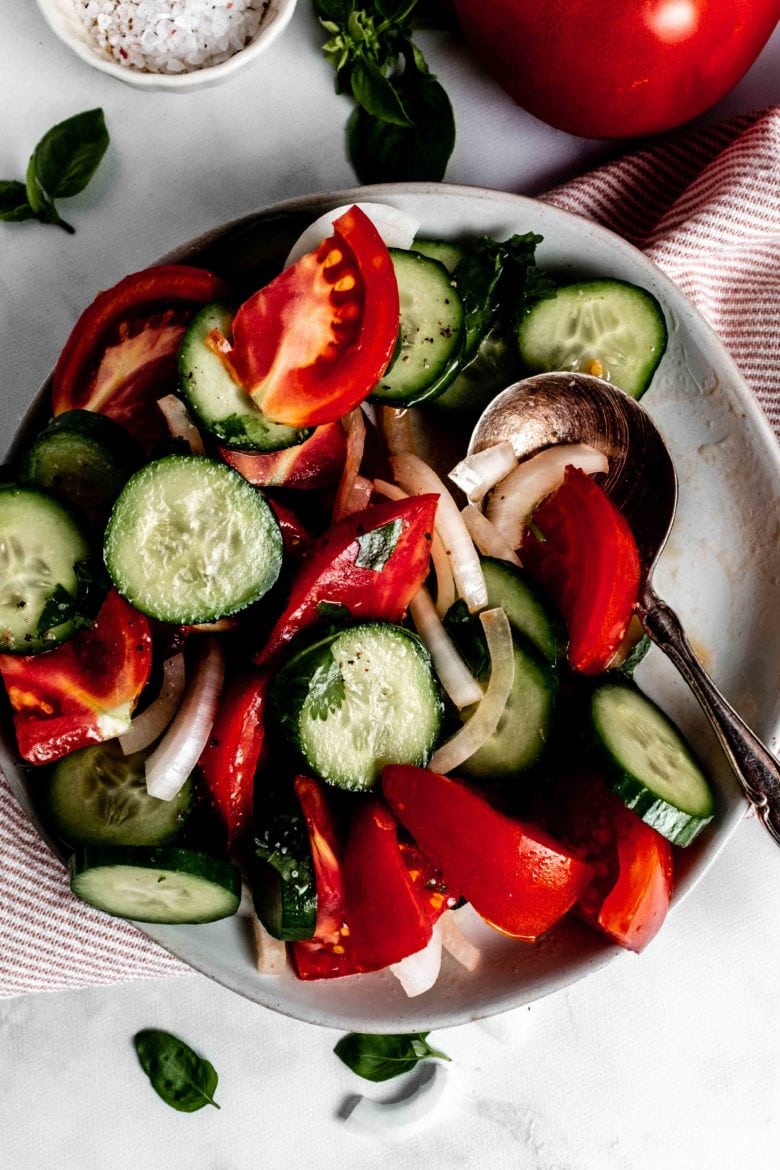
756	769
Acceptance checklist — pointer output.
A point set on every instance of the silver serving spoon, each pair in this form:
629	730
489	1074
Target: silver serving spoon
548	409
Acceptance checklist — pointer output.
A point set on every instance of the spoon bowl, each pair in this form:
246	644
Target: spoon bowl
560	408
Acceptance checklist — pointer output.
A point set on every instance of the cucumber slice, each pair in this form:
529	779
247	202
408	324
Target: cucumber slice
445	251
98	796
493	367
221	406
609	328
527	607
158	884
284	888
84	458
358	699
190	541
648	762
430	333
41	545
523	730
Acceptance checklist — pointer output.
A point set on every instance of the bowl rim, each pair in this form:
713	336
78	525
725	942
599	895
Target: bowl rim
598	955
276	17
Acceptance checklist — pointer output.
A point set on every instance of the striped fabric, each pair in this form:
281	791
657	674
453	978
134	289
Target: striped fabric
704	204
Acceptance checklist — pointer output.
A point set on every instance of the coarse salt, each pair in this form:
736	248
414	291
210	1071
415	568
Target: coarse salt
171	36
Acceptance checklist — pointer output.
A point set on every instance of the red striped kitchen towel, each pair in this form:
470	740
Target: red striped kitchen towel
704	204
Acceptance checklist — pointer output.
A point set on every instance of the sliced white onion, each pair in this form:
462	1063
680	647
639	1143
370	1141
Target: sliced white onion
478	473
416	477
397	429
180	424
456	944
396	228
152	721
178	752
454	675
373	1118
515	498
445	582
355	427
486	536
417	973
270	952
479	728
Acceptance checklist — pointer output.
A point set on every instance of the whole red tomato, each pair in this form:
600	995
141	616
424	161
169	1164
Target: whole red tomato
617	68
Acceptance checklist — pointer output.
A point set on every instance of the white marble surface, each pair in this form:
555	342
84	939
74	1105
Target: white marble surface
665	1060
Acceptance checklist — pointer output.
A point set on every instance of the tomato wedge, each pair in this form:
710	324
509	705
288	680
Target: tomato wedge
83	691
387	917
634	865
313	464
371	563
230	758
581	549
329	953
517	877
312	344
121	353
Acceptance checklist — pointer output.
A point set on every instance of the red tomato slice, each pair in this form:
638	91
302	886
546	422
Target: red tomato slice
341	569
312	344
315	463
387	917
329	953
517	877
634	865
580	548
83	691
231	756
121	354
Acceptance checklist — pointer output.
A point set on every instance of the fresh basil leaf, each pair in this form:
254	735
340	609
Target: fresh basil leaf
336	11
374	93
382	153
326	691
376	547
68	155
184	1080
379	1058
14	205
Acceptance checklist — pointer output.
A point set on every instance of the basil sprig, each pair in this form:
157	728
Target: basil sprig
184	1080
380	1058
403	127
61	166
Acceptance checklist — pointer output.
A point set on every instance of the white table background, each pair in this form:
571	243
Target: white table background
666	1060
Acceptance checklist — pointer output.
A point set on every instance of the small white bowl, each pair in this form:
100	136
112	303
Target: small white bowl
62	18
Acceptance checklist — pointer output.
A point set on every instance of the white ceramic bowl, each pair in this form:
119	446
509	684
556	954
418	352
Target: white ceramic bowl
720	571
63	20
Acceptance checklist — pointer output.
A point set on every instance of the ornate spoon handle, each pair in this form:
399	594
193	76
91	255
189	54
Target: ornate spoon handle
756	769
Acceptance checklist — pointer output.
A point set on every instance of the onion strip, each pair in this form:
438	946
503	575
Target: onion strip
152	721
174	758
478	473
455	943
397	429
270	952
445	582
454	675
486	536
479	728
511	504
355	427
416	477
179	423
417	973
